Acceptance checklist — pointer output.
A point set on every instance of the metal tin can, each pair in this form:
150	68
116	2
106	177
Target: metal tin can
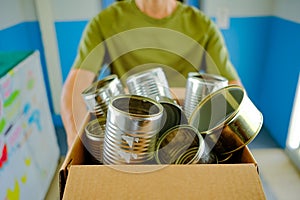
94	139
131	129
208	157
150	83
227	119
98	94
173	114
182	144
198	86
224	158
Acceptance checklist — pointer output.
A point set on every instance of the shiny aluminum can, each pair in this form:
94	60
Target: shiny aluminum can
94	139
198	86
173	114
98	94
150	83
132	125
227	119
208	157
182	144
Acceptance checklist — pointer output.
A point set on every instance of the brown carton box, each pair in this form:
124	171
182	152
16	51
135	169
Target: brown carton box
238	179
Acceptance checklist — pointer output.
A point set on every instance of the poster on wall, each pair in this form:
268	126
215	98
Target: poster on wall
29	151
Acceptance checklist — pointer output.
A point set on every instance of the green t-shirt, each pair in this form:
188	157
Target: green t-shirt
130	41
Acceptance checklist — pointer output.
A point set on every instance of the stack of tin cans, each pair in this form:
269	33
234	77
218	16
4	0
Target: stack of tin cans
97	98
147	125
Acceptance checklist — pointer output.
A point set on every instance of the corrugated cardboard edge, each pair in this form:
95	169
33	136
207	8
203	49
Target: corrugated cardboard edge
75	156
224	181
249	158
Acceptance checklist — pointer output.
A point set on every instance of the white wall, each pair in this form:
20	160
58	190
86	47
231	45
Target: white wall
13	12
287	9
238	8
65	10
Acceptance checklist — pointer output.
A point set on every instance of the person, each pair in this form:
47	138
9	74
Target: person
144	33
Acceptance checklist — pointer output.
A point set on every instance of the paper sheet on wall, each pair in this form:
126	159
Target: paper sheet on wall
29	151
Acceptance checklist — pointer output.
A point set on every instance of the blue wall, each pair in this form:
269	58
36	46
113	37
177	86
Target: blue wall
280	76
68	36
246	42
25	36
265	51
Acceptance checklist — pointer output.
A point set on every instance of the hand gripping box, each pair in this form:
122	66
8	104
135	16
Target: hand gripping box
236	179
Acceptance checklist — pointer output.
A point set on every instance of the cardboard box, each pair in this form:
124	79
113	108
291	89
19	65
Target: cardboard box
80	179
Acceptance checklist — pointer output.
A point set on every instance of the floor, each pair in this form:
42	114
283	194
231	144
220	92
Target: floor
280	178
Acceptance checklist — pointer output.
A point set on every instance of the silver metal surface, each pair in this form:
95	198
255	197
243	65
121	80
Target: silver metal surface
94	139
198	86
208	157
98	95
182	144
227	119
150	83
173	114
133	123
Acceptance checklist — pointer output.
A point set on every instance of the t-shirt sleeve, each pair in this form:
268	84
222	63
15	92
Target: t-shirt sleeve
91	49
217	56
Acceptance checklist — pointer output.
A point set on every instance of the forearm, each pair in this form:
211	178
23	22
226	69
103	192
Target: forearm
73	108
235	82
68	118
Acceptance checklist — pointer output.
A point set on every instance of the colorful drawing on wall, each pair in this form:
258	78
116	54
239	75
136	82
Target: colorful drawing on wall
25	129
24	179
1	105
25	111
14	136
6	88
2	119
13	194
31	80
3	155
9	101
27	162
35	118
12	105
2	125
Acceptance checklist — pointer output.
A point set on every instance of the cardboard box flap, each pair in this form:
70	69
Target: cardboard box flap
238	181
75	156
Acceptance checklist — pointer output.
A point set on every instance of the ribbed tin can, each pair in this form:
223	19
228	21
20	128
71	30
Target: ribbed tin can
150	83
182	144
198	86
133	123
98	94
227	119
94	139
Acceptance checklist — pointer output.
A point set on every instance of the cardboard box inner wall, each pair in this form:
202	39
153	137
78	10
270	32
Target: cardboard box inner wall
80	178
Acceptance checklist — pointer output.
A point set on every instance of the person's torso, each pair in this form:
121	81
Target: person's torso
135	41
